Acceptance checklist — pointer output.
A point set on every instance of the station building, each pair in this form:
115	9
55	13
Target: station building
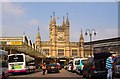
59	48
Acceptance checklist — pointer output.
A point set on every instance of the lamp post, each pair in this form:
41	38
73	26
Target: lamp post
90	33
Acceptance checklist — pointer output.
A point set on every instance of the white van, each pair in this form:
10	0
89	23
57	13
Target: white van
78	62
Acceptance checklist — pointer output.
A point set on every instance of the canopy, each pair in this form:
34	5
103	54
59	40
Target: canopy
102	55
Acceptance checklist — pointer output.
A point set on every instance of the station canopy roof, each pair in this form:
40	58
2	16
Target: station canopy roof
102	55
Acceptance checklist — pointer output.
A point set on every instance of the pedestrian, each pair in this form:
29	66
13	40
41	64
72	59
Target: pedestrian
109	67
44	68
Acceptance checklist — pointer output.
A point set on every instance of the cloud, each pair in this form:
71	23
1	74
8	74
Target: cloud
12	8
106	33
102	33
34	22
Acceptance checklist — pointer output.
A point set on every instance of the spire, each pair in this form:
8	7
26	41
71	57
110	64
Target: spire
54	21
38	29
23	33
81	36
50	20
38	35
67	21
63	24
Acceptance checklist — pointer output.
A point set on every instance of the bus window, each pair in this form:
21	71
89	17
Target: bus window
16	58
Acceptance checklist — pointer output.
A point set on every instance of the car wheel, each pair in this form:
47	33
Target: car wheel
58	71
90	76
84	76
48	72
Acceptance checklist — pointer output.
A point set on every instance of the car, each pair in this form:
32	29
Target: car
65	67
70	67
117	66
95	66
76	62
79	68
52	68
4	71
59	66
3	65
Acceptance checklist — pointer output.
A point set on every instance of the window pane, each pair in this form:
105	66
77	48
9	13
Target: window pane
16	58
60	52
74	52
46	51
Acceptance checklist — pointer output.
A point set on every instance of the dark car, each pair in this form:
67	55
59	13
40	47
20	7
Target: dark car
95	66
52	68
117	66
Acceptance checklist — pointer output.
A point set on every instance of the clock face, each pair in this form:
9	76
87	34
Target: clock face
60	36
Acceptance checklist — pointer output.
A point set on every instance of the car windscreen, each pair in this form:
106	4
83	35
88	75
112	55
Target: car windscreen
77	62
52	65
15	58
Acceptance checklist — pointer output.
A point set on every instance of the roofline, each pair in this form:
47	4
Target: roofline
103	41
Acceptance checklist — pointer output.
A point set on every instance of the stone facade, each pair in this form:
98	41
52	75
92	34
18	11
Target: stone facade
59	44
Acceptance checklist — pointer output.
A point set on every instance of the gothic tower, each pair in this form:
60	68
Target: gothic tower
50	37
67	29
38	40
81	45
52	28
67	26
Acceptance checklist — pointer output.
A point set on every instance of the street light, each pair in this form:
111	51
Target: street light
90	33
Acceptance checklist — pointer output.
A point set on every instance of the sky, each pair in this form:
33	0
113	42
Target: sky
20	17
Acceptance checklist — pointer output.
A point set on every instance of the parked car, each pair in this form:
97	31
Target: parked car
52	68
59	66
76	62
70	66
65	67
95	66
117	66
79	68
3	65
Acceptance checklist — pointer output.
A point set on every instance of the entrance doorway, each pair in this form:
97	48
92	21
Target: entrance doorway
62	62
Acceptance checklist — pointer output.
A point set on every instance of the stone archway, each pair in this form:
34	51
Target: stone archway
62	61
49	60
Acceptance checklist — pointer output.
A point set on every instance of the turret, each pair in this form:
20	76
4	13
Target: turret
81	37
38	39
63	24
67	26
67	21
54	20
81	45
51	21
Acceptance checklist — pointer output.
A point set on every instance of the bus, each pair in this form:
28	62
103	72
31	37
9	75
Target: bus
3	65
19	63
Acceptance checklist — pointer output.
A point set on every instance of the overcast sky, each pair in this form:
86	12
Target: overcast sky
20	17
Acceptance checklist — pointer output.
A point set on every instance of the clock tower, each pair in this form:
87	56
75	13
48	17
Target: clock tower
59	37
59	48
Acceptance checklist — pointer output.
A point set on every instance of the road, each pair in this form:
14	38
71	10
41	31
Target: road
64	74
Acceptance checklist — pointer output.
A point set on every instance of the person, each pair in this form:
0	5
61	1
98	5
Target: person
3	76
109	67
44	68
